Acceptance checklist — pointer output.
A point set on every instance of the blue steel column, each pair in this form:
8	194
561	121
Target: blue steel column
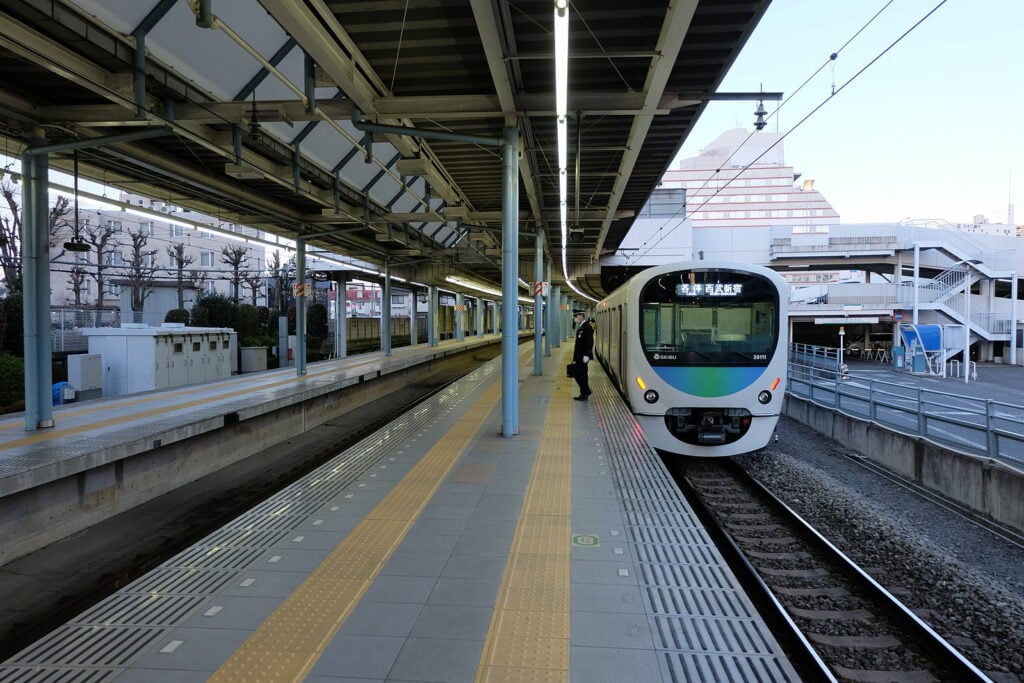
385	311
481	306
300	308
497	317
556	316
432	315
413	335
567	317
538	303
35	280
460	301
341	319
510	282
549	326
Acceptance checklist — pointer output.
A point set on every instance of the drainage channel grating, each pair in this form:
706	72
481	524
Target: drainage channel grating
205	557
705	627
53	674
89	645
138	609
181	581
232	537
702	602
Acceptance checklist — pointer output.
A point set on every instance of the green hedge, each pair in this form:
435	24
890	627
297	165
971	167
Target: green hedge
12	383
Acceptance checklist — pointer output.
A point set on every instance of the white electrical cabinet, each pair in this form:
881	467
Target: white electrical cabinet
139	358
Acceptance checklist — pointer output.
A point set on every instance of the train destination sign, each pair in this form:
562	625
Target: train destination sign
709	289
846	321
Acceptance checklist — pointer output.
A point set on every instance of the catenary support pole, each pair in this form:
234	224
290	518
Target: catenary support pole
413	332
460	316
510	282
385	310
341	319
538	302
432	315
300	308
549	318
35	280
556	316
481	306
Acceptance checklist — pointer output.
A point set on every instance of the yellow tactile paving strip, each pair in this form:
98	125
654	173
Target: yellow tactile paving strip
288	644
528	639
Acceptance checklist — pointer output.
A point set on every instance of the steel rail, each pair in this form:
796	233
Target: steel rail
924	636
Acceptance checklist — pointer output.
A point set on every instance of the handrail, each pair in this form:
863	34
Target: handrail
972	425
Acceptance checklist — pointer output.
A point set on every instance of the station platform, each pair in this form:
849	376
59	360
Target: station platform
437	550
108	455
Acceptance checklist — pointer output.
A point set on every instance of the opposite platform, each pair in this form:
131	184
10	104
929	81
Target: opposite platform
437	550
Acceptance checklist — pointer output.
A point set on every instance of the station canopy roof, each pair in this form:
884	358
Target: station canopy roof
224	128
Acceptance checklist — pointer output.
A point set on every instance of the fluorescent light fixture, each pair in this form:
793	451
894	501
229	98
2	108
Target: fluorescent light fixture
472	285
482	289
562	126
561	58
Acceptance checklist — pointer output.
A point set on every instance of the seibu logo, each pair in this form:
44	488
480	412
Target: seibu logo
665	356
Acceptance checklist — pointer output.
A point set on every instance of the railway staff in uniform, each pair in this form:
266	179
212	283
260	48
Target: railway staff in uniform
582	352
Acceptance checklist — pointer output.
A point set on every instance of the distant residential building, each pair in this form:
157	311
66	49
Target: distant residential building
73	281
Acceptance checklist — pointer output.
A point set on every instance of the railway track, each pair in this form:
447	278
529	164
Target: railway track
837	622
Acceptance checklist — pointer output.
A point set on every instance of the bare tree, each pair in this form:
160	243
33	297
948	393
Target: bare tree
139	270
11	231
253	281
197	279
179	262
237	257
62	225
76	284
10	235
279	272
108	255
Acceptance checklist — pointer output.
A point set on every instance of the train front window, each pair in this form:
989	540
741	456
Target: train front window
709	317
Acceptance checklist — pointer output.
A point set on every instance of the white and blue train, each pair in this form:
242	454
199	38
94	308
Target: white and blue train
699	350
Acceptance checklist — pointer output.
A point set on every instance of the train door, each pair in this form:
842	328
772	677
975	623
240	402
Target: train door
620	346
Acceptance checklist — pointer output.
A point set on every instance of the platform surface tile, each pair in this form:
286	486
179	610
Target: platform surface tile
437	550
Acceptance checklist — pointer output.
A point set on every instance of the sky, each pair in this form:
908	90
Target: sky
932	130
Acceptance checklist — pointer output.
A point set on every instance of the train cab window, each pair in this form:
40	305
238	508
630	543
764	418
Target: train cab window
709	317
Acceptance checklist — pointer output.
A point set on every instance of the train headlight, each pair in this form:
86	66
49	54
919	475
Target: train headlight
765	397
651	396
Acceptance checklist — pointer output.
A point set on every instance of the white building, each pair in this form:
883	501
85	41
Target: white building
73	281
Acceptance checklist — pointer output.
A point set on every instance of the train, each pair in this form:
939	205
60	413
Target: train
698	349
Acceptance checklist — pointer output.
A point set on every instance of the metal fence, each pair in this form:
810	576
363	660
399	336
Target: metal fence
66	325
972	425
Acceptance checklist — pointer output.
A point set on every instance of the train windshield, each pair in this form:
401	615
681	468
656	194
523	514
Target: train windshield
709	317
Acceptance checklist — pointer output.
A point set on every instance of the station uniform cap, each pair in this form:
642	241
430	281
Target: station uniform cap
578	311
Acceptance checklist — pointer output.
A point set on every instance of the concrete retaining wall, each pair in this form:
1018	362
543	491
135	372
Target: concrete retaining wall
985	485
